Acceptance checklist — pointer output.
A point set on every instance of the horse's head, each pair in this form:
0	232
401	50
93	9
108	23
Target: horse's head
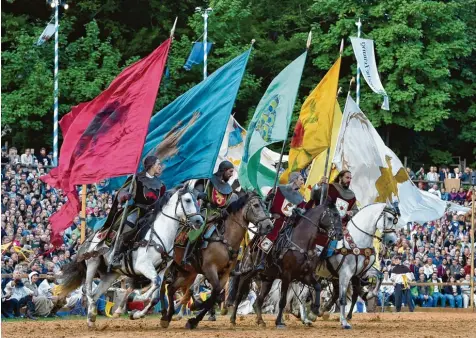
387	224
253	211
189	209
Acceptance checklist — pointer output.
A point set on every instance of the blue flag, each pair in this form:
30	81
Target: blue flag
196	55
187	134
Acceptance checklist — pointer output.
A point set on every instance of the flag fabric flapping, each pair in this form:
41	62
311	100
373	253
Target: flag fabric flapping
270	124
48	32
104	137
377	173
318	164
196	54
312	134
188	133
365	54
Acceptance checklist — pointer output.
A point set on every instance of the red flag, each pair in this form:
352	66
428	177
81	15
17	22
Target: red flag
104	137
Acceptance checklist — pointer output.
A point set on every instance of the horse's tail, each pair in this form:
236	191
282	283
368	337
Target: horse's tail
73	276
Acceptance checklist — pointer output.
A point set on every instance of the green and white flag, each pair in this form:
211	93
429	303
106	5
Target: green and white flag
270	124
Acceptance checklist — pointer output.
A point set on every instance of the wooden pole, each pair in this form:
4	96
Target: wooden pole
471	294
83	213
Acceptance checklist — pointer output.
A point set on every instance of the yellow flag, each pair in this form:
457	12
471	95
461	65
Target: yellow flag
312	134
317	168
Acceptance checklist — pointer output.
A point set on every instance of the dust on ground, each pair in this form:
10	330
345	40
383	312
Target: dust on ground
398	325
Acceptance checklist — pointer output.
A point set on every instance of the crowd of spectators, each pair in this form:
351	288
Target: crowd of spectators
435	251
433	181
26	205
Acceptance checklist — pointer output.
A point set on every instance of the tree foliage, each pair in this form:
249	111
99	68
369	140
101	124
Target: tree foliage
425	53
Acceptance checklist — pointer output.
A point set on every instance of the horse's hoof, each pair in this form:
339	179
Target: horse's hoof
286	316
224	311
132	315
116	315
346	326
281	326
164	324
326	315
261	323
312	317
232	323
212	318
307	323
349	317
192	323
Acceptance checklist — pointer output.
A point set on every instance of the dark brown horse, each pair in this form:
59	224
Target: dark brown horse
293	258
218	258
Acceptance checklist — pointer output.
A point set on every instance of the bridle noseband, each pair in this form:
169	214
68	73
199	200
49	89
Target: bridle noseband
183	222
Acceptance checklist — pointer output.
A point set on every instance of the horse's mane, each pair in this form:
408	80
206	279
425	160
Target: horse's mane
162	201
240	203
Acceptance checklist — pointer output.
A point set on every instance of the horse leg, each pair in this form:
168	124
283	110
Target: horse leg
285	281
211	273
105	283
344	280
242	288
92	267
355	281
263	292
120	309
162	294
335	296
302	308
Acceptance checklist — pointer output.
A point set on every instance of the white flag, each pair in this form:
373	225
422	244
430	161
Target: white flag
46	35
365	55
233	146
377	173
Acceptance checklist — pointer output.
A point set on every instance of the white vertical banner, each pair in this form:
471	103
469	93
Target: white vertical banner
365	55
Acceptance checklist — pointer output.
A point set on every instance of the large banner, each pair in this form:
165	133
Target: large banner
365	55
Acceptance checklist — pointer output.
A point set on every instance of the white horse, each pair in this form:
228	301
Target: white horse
179	208
355	255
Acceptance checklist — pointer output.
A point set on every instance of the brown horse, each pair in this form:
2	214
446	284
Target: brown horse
293	258
219	256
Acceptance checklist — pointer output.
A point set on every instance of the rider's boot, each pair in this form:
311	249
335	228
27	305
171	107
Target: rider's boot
124	239
261	259
185	254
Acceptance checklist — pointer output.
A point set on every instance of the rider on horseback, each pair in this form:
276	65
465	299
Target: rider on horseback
340	199
287	200
147	189
216	195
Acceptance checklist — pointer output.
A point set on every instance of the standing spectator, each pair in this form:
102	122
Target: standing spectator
42	158
443	174
385	293
13	155
420	174
401	277
26	159
435	191
432	175
411	174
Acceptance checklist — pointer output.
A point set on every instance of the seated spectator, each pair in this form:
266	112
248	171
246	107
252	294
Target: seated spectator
423	298
19	296
461	196
453	195
435	191
453	294
466	290
435	290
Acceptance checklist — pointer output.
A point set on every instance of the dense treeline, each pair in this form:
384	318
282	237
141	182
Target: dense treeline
425	52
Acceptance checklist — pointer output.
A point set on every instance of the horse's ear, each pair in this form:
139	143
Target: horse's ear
186	185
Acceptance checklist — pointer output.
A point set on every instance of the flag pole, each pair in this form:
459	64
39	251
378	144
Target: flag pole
83	213
357	87
55	90
328	153
131	186
278	168
471	294
204	13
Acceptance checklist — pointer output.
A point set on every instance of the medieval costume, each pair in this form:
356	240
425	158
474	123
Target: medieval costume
146	190
285	202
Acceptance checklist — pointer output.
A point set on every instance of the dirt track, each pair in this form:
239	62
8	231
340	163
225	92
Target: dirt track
411	325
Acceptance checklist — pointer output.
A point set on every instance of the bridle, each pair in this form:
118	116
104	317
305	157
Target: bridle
385	229
245	214
186	221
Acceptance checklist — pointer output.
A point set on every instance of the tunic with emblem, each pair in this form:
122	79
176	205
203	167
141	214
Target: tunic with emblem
281	209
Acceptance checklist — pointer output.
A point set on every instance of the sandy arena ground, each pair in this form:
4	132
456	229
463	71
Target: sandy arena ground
402	325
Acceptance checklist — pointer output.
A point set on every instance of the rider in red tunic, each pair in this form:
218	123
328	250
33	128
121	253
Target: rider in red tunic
286	199
340	198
